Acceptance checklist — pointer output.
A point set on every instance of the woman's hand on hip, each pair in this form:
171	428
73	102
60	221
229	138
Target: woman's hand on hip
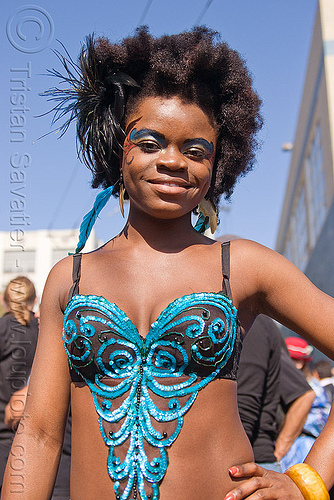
262	483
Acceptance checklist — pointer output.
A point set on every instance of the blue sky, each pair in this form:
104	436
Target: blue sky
273	36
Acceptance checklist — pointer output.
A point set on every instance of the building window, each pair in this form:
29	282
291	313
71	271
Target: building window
19	262
288	250
300	230
296	246
316	187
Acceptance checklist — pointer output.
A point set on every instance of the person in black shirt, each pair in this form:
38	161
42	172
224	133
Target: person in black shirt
267	379
18	339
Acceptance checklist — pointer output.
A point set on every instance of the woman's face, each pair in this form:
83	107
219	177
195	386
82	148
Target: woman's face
168	157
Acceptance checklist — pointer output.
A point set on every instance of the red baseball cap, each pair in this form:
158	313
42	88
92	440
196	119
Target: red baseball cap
299	349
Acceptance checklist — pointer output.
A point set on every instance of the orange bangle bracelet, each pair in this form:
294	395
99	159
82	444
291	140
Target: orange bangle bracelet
308	481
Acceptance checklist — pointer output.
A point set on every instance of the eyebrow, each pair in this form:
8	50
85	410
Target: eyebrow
208	145
138	134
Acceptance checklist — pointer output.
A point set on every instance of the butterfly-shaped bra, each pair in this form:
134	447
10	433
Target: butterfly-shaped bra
142	387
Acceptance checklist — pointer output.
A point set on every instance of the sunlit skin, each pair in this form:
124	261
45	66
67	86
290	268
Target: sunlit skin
158	257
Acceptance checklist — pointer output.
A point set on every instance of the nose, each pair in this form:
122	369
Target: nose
171	158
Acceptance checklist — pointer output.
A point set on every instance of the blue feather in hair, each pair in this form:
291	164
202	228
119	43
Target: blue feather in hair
89	219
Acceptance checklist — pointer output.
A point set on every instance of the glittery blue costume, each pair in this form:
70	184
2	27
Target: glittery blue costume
142	387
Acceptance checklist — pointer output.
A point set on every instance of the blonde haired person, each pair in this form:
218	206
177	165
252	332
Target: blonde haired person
19	299
18	340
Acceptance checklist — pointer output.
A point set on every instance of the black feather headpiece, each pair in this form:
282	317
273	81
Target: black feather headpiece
95	98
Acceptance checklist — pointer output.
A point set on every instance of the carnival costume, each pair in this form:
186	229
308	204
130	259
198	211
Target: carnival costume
141	387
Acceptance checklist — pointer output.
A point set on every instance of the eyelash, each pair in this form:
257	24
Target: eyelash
149	146
198	154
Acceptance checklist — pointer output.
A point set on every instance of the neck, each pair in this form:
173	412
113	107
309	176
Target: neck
161	234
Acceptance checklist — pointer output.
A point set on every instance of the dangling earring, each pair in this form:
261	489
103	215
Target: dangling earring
121	194
208	210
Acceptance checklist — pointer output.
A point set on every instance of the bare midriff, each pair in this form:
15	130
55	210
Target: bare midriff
211	440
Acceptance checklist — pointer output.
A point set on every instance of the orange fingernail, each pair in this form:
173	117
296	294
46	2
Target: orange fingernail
229	497
232	470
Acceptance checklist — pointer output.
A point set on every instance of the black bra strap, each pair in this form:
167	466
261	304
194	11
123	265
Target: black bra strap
76	273
226	269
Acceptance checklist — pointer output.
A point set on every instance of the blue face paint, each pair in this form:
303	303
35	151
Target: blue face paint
146	135
208	146
199	149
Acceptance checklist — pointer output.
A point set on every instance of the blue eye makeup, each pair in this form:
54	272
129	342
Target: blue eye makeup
208	146
146	138
199	149
150	141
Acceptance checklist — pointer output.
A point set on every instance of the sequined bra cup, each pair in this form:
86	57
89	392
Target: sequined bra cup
142	387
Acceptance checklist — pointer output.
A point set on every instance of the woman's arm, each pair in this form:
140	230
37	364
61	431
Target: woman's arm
321	455
15	407
33	461
293	424
281	291
262	483
264	281
276	486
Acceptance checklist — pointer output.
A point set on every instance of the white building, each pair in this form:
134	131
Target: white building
307	222
33	253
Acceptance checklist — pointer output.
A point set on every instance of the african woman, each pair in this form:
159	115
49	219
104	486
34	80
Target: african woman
152	321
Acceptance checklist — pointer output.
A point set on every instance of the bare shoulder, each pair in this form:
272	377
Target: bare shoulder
247	249
60	278
258	259
58	283
247	257
266	271
260	276
264	281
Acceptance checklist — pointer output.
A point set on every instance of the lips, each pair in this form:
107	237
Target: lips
170	186
171	182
